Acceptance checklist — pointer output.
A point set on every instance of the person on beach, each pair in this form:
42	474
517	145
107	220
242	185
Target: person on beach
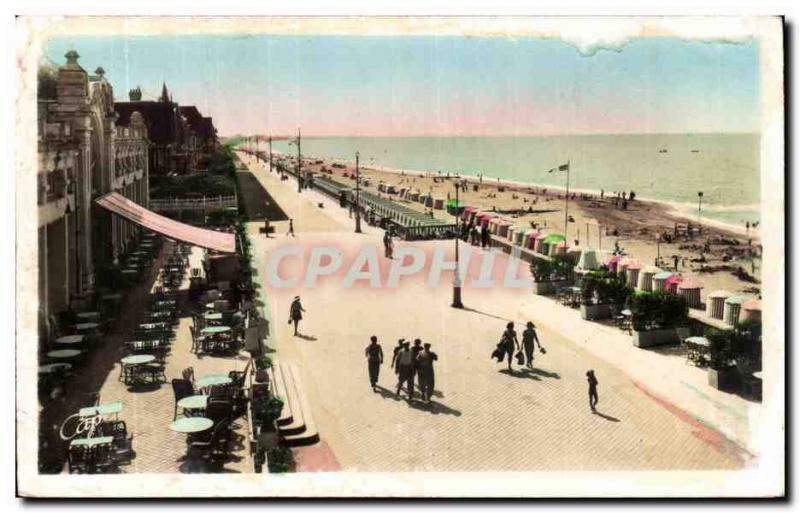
405	370
425	372
593	398
387	244
474	235
291	228
374	354
510	342
296	313
529	342
484	235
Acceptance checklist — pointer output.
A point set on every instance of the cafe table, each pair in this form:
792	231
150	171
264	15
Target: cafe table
213	316
213	380
138	359
88	316
63	354
193	402
111	408
91	442
757	375
86	326
49	368
215	330
70	339
191	425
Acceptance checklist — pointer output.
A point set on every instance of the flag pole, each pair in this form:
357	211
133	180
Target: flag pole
566	207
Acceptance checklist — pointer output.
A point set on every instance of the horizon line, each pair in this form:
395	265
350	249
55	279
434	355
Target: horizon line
565	134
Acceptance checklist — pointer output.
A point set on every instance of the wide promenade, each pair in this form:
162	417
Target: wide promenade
482	417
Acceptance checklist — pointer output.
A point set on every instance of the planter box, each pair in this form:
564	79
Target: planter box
723	379
655	337
542	288
592	312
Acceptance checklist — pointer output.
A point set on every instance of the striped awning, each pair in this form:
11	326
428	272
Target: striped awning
135	213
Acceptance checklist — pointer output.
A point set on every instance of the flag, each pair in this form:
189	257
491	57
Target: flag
552	170
564	167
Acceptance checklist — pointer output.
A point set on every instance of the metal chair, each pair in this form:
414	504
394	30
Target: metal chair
181	388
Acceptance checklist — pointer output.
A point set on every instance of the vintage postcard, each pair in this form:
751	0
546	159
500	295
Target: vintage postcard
400	257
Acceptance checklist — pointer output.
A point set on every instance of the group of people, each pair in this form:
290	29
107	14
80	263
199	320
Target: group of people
409	362
476	235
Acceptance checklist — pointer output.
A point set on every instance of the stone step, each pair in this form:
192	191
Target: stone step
290	402
279	389
309	435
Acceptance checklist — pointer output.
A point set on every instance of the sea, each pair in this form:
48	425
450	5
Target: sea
671	168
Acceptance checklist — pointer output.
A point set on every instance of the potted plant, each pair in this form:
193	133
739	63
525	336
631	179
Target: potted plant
541	269
593	303
656	317
722	372
263	364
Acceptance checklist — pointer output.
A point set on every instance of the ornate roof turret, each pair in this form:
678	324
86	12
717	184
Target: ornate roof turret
164	94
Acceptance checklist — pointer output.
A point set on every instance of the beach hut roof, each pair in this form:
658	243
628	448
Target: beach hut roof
736	300
561	245
690	284
719	293
663	275
651	269
590	259
753	304
634	265
575	249
675	278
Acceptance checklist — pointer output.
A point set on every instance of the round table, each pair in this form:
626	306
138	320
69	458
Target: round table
215	330
212	380
194	402
63	353
191	424
138	359
86	326
88	315
210	306
130	271
52	367
213	316
112	297
757	375
70	339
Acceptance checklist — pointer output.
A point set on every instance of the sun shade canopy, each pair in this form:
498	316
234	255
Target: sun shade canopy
210	239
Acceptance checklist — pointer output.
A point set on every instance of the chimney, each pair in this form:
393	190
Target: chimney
135	94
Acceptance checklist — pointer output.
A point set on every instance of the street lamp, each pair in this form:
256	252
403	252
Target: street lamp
457	278
358	195
699	203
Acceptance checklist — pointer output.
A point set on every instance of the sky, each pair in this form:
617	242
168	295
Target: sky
435	85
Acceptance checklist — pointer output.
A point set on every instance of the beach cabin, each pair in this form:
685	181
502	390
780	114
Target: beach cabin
574	254
438	203
632	273
660	281
414	196
671	283
646	275
511	234
751	311
558	249
733	309
381	187
519	236
690	291
613	262
391	189
715	304
466	214
549	242
530	238
502	229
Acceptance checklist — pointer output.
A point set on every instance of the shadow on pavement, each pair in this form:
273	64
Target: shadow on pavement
434	408
541	372
310	338
607	417
521	373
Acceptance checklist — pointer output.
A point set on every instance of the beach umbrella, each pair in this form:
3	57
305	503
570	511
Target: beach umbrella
715	303
554	238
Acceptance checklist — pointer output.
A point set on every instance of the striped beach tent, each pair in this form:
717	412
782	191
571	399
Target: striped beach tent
715	303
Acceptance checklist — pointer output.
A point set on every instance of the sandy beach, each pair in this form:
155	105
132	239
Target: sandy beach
716	255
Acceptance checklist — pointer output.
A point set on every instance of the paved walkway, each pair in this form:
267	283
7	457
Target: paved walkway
482	418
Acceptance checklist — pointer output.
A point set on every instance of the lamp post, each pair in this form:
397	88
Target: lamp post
299	168
457	278
270	153
699	204
358	195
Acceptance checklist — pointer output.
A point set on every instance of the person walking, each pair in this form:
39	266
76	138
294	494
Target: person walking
405	370
425	372
374	354
415	350
590	377
484	235
396	352
529	342
291	228
296	313
510	342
